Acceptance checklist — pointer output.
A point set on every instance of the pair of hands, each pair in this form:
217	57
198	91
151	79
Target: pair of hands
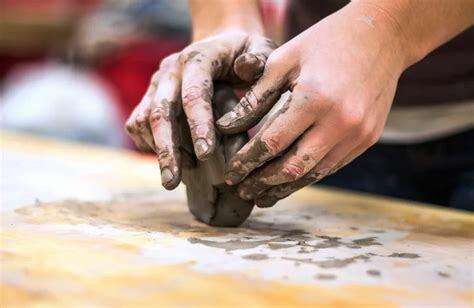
342	74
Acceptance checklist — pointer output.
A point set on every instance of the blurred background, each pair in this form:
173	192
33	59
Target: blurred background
75	69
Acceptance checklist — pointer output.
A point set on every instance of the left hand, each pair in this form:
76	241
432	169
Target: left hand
342	74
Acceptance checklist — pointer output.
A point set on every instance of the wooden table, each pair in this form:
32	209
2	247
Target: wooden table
86	226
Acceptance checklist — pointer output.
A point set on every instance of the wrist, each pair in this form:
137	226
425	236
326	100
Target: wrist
202	32
388	17
210	17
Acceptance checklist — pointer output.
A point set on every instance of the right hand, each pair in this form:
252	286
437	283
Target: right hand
185	81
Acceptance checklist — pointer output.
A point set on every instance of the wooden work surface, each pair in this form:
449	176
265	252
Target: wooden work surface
85	226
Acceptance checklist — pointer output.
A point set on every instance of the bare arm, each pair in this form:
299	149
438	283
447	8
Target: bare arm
423	25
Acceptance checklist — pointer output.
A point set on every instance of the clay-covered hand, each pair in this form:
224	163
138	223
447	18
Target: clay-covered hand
184	82
342	74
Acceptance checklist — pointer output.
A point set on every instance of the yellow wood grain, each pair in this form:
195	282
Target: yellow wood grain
135	248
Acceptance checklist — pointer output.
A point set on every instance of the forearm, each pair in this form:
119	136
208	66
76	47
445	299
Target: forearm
422	25
211	16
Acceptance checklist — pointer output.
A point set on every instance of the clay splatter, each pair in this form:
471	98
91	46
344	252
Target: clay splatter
373	272
368	241
331	263
325	276
290	239
288	236
276	246
228	245
444	275
406	255
256	256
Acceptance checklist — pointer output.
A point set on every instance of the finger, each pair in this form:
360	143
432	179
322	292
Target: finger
323	169
250	65
346	151
132	130
276	193
334	160
197	92
140	132
137	125
256	102
163	122
296	115
304	155
140	143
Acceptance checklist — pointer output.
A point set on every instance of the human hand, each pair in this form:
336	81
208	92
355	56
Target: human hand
184	81
342	74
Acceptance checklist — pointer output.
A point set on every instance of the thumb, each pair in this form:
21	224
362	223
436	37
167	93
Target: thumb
249	66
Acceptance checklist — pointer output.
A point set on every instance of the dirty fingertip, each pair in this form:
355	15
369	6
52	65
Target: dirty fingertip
266	201
168	179
227	120
248	67
203	148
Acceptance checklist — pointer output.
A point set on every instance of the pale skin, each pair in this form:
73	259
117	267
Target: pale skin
342	74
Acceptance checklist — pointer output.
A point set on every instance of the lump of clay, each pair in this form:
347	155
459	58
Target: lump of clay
210	200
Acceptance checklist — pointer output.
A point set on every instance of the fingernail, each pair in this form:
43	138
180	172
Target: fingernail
260	63
201	147
254	61
232	178
166	176
227	119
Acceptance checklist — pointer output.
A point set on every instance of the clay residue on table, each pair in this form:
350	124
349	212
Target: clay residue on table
172	217
405	255
255	256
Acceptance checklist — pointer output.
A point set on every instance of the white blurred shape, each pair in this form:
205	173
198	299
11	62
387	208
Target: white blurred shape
60	101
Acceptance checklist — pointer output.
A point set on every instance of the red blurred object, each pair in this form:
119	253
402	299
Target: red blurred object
129	70
49	8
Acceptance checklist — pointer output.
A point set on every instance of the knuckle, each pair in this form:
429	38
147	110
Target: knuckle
373	138
155	115
192	96
163	153
130	126
191	54
140	122
293	170
365	130
246	102
311	92
169	60
184	55
201	126
352	118
272	145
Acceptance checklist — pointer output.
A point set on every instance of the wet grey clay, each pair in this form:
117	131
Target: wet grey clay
210	200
